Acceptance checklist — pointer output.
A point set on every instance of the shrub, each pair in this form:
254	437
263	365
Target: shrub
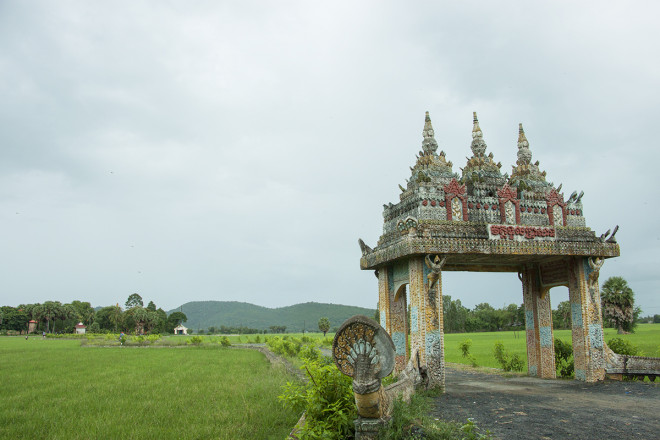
621	346
507	361
309	353
465	348
196	340
327	398
257	339
564	362
224	341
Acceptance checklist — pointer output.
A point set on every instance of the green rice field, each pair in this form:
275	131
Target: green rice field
646	337
58	389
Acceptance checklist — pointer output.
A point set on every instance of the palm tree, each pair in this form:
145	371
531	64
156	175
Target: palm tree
63	313
141	316
47	311
617	299
115	316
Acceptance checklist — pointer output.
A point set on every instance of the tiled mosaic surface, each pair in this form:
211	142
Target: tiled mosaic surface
442	213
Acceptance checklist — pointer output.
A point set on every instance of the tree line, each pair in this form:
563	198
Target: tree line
617	305
55	317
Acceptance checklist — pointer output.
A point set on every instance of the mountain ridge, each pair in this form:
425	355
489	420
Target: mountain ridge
204	314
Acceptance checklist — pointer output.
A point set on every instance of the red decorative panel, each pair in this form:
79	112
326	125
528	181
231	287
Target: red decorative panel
554	199
454	189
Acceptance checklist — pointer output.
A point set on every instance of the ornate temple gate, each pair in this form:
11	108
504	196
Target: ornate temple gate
487	222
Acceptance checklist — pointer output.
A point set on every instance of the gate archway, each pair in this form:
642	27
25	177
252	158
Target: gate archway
484	221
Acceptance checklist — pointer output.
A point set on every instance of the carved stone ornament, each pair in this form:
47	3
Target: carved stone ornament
363	350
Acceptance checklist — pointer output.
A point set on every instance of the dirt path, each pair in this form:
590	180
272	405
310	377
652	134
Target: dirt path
518	408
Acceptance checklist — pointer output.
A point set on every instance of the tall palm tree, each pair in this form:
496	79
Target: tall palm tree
48	311
140	315
116	316
618	302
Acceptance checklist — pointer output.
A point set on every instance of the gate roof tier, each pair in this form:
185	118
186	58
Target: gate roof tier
483	221
469	247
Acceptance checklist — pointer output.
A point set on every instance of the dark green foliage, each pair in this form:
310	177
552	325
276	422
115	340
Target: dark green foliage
327	399
484	317
13	318
618	304
561	318
507	361
411	421
564	358
621	346
134	300
203	314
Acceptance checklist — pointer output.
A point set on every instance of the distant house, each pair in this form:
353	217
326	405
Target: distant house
32	326
81	328
180	330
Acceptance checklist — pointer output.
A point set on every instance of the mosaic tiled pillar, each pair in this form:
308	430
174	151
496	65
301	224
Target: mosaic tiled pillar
384	289
434	339
426	321
396	319
538	325
587	324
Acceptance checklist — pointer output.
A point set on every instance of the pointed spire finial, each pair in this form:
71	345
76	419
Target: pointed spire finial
521	136
429	145
476	130
524	153
478	144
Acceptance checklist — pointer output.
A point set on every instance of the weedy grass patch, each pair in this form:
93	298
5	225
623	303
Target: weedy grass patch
58	389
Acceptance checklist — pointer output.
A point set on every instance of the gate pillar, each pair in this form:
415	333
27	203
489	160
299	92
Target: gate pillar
392	309
427	335
586	317
538	325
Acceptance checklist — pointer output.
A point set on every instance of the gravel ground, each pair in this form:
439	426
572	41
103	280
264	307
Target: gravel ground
528	408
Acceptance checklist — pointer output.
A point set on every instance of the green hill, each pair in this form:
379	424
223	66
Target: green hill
204	314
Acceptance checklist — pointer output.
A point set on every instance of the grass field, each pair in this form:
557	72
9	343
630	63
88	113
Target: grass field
646	337
57	389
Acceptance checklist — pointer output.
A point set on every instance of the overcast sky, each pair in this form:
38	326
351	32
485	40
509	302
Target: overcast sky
237	150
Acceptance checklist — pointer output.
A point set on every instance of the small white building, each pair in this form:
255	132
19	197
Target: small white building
180	330
81	328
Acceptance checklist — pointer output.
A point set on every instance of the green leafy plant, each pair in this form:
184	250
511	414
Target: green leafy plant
224	341
621	346
196	340
564	362
465	346
507	361
327	399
